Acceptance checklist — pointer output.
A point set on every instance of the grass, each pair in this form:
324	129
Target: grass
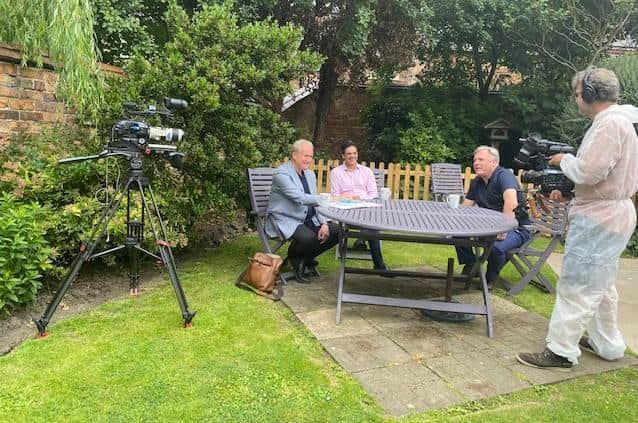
245	359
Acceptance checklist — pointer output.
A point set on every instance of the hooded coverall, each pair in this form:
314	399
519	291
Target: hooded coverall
602	218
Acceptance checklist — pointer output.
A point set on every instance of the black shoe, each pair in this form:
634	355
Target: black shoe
311	268
298	269
545	360
360	244
467	270
383	268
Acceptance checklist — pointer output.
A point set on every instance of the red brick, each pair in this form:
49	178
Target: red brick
9	92
33	73
7	80
37	116
8	68
49	97
42	106
4	102
50	87
9	114
32	94
51	77
18	104
38	85
25	83
53	117
9	125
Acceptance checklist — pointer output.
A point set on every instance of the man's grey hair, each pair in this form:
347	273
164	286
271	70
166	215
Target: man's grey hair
603	80
296	146
493	152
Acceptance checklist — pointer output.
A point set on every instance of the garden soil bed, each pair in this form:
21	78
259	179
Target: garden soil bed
87	292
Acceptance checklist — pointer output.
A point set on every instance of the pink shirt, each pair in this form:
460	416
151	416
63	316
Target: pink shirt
359	182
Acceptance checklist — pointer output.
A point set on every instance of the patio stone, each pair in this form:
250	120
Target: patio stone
407	388
380	351
410	363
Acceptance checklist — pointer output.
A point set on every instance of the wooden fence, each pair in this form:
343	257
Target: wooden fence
406	182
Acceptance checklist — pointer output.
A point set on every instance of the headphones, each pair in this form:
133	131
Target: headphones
590	93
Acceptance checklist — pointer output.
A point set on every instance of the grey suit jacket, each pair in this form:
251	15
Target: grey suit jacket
288	203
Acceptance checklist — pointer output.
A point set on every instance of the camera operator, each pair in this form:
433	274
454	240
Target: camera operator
602	218
495	188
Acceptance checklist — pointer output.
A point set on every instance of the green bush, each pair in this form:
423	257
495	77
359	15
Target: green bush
234	77
426	124
24	251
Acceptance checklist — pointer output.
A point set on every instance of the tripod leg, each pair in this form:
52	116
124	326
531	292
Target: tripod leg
131	242
86	249
166	253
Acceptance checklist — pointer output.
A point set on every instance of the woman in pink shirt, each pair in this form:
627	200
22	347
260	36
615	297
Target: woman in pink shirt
354	181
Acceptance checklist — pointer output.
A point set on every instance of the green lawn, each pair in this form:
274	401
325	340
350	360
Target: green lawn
245	359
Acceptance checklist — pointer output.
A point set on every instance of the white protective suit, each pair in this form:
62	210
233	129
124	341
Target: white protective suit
602	218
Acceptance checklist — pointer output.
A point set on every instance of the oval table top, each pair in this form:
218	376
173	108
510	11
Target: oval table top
424	218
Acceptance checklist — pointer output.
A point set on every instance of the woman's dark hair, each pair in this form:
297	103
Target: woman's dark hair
346	144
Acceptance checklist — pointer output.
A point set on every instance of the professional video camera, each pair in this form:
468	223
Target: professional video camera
132	135
534	155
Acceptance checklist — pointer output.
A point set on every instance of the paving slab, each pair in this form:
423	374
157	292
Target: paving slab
410	363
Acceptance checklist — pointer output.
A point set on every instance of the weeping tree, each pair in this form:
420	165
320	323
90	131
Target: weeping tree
60	32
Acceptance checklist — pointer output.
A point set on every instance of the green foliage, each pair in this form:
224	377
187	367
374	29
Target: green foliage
24	252
426	124
570	124
234	78
63	30
470	42
124	28
424	141
632	246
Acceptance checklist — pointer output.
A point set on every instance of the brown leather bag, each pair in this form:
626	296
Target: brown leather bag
262	275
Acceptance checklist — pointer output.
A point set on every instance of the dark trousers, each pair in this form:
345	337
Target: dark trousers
306	244
498	255
375	250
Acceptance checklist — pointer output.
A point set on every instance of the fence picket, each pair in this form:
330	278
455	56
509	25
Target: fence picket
412	176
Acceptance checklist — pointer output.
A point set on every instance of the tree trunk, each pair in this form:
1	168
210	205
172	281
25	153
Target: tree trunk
328	78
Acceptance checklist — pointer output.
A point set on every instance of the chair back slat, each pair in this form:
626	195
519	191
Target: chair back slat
260	184
447	178
379	177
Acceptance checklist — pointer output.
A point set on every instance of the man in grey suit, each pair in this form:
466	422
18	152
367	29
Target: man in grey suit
292	213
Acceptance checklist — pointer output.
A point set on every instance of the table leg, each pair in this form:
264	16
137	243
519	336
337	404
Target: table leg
486	296
343	241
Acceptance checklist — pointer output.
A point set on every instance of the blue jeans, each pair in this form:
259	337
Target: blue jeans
498	255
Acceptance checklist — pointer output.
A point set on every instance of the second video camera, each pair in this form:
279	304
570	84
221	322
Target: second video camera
534	154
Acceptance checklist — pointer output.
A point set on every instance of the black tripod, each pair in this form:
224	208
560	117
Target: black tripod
135	233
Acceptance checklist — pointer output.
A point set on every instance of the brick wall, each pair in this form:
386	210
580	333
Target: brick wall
344	121
27	95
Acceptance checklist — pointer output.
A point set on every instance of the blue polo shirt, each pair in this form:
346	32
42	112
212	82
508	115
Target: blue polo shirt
490	195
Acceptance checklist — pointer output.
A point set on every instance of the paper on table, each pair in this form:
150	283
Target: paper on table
351	204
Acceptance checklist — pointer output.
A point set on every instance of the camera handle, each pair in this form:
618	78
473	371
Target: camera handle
135	228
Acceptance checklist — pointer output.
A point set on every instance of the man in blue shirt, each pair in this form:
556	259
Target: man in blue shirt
495	188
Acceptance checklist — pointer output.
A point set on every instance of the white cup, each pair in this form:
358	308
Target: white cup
453	200
324	199
385	193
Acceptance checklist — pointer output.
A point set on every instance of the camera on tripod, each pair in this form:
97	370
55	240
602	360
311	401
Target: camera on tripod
132	136
534	155
131	139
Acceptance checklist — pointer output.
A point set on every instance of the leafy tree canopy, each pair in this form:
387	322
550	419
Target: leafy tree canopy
234	77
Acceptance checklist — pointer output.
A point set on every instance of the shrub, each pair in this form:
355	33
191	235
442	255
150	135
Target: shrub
234	77
24	252
426	124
